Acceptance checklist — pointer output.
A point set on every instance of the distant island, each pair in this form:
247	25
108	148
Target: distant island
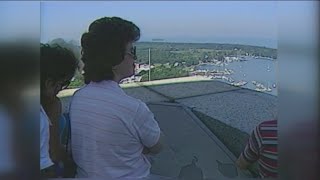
158	40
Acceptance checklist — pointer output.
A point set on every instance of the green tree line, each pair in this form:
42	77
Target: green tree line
164	52
163	72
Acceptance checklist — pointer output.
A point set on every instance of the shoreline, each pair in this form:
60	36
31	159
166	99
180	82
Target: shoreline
69	92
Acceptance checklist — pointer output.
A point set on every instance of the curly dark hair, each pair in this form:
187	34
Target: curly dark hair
56	63
104	45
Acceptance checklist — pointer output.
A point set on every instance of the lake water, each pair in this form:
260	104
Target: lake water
261	70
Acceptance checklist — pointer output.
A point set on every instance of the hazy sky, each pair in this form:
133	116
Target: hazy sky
250	22
208	21
19	18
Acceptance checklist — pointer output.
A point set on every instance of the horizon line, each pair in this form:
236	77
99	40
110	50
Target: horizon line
148	41
178	42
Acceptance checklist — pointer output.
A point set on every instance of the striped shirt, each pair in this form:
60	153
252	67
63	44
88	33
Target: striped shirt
262	147
109	131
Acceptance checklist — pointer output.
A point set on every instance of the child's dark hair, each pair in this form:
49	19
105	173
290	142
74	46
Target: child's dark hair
56	63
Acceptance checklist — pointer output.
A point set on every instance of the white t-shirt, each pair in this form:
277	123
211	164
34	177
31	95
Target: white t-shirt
45	160
109	131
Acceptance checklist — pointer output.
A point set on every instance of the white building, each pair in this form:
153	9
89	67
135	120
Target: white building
131	79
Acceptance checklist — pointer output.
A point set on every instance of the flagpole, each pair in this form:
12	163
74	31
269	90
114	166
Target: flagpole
149	66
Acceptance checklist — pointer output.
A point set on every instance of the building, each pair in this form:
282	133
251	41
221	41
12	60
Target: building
131	79
142	67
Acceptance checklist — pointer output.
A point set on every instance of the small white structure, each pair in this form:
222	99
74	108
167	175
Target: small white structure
131	79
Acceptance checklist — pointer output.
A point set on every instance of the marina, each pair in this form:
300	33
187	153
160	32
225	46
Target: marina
254	73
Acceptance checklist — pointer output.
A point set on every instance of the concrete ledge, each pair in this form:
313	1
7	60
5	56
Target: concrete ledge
211	135
189	89
199	122
206	130
186	136
144	94
242	109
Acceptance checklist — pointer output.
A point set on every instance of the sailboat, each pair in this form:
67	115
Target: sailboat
259	85
261	89
268	68
230	80
254	82
268	88
240	83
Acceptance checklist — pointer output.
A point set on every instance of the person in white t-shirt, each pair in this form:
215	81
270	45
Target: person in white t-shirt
111	132
45	160
58	66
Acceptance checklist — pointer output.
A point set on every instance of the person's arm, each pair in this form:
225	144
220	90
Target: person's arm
242	163
46	164
54	112
251	153
147	130
62	153
157	148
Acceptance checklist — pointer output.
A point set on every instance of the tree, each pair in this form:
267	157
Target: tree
163	72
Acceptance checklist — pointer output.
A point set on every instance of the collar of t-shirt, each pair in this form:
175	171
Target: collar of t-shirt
108	84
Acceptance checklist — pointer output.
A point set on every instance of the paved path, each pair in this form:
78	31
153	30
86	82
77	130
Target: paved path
187	140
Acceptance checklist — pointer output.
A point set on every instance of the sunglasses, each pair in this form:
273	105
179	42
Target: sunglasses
133	53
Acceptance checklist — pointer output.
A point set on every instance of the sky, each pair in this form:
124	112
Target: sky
19	19
243	22
174	21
